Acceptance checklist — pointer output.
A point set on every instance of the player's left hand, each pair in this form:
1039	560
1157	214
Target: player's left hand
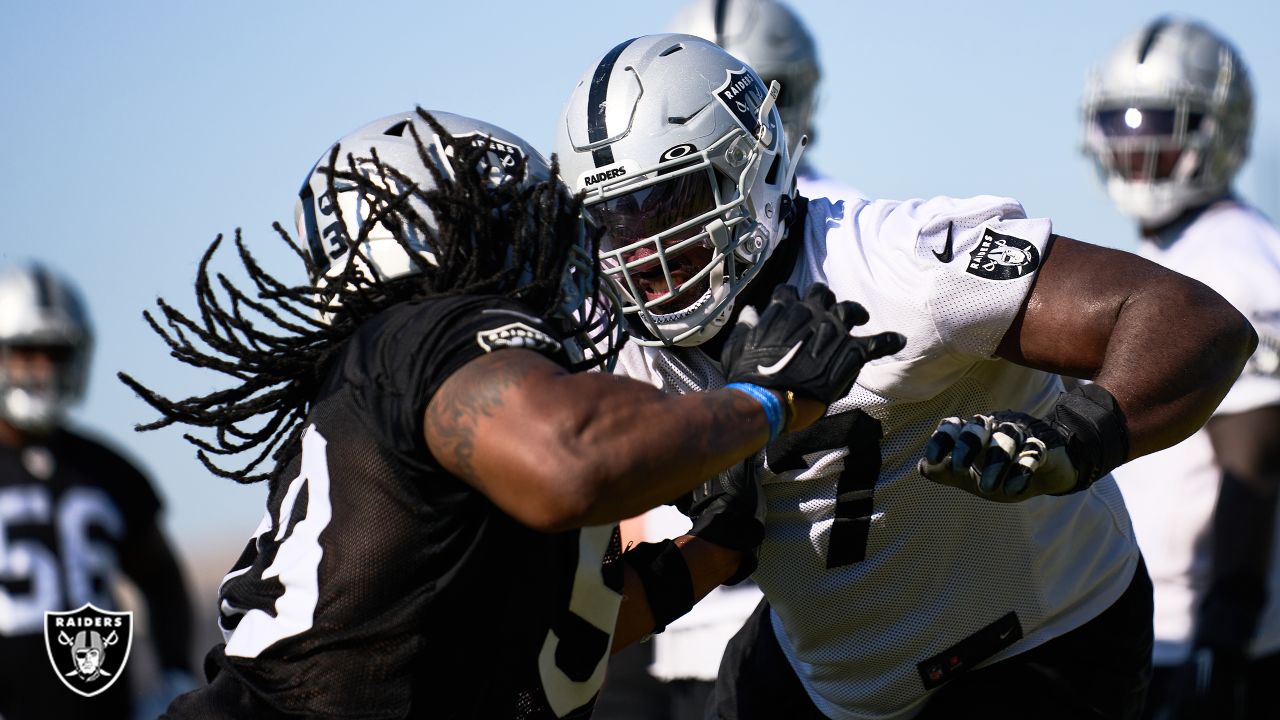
729	510
1005	457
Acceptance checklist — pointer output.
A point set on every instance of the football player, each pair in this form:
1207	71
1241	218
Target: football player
74	514
1168	118
888	595
772	38
440	536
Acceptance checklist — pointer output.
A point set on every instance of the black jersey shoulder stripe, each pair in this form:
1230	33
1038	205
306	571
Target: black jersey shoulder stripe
596	99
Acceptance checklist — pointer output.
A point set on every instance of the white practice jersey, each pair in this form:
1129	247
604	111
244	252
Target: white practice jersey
691	647
877	577
1172	493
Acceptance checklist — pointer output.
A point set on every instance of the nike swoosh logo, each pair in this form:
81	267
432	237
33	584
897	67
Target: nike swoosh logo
775	368
945	255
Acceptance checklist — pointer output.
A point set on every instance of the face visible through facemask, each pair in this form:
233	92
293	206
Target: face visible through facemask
650	260
33	384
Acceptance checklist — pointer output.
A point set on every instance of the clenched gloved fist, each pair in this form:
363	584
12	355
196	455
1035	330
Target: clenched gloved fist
729	510
1007	457
804	346
1010	456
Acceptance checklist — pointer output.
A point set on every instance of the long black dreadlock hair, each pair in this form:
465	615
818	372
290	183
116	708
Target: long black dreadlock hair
504	237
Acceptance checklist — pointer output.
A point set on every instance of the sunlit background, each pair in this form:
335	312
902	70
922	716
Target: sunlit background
136	132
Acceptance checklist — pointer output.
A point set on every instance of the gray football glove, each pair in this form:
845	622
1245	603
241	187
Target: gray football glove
804	346
1006	457
1010	456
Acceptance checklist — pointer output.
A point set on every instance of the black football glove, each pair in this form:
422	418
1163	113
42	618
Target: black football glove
1010	456
729	510
804	346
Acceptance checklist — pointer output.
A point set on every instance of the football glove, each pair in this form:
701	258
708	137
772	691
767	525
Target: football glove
804	346
1010	456
729	510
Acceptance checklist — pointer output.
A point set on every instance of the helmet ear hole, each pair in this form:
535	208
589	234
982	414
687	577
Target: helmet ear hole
771	177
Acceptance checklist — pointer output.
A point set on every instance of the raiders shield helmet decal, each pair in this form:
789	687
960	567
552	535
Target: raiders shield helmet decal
1003	257
742	94
88	647
502	158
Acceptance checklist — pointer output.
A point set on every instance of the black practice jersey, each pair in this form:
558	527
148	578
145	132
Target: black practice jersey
380	586
68	509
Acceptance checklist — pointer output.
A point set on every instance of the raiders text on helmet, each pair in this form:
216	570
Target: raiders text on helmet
1168	118
678	147
41	311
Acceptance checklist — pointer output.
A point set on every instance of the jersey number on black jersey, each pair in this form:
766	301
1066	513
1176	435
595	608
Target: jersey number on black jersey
295	546
33	576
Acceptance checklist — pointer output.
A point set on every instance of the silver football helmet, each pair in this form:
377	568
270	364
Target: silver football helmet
1168	118
773	40
39	311
344	201
679	149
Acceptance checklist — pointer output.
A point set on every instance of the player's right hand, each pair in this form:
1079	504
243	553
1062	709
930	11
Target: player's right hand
729	510
804	346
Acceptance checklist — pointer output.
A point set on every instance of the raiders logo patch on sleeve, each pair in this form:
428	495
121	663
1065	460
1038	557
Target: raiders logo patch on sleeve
516	335
1003	257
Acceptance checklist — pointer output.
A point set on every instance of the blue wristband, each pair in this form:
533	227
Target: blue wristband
773	411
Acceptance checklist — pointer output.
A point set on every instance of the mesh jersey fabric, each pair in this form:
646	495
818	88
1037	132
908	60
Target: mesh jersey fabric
380	586
1171	494
926	566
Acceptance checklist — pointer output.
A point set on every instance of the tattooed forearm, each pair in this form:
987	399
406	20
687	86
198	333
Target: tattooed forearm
476	391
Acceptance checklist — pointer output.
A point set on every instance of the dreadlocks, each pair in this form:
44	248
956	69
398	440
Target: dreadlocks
500	237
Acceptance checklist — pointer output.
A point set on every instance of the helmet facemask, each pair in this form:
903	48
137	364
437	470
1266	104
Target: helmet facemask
675	239
1152	157
45	344
678	148
1167	120
38	383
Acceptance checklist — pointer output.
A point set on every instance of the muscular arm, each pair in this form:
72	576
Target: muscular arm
557	450
1166	346
1246	448
709	566
150	563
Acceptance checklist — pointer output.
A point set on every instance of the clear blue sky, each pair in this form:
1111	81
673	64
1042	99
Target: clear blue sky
138	131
